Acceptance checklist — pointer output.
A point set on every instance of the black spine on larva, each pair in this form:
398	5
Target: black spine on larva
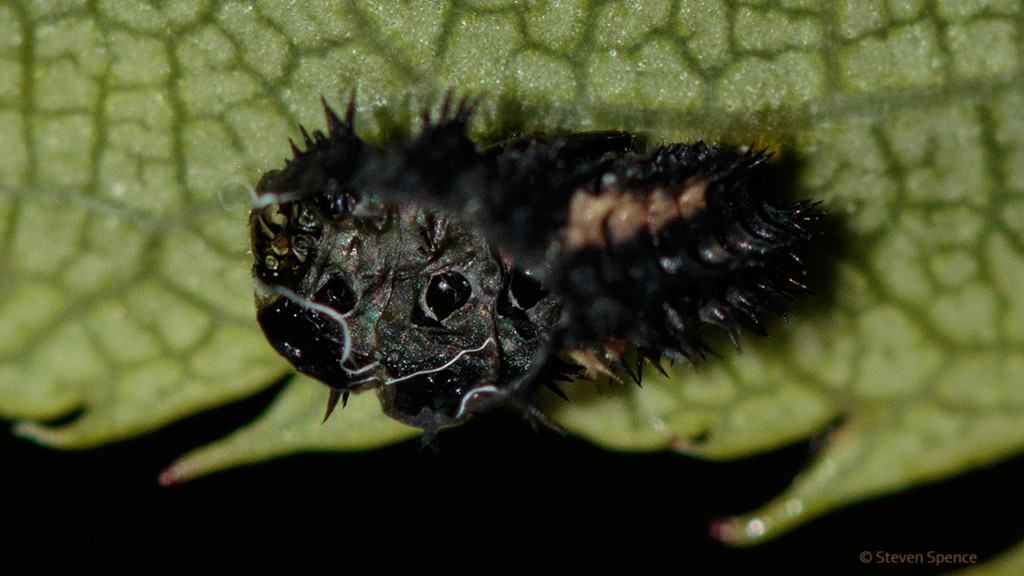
325	167
515	192
723	260
527	201
440	168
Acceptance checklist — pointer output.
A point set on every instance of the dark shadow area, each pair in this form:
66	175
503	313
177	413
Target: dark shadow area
495	494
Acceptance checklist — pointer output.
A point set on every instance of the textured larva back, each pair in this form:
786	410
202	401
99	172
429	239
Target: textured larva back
450	277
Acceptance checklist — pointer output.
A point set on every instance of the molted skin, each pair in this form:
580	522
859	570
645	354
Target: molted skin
341	291
448	277
429	372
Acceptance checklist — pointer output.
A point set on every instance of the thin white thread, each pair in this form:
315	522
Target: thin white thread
326	310
369	366
261	201
363	381
229	183
443	366
487	389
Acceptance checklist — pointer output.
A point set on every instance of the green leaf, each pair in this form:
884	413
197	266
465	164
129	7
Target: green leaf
133	131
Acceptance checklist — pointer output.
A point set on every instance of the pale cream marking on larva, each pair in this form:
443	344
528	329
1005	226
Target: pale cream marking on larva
628	218
661	209
593	367
587	214
623	215
694	198
614	347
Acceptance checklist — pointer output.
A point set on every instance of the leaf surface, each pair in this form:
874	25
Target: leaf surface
133	131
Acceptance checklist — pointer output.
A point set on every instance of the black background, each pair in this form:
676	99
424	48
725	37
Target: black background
496	494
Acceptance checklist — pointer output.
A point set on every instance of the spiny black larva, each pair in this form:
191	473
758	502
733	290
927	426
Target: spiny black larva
452	278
